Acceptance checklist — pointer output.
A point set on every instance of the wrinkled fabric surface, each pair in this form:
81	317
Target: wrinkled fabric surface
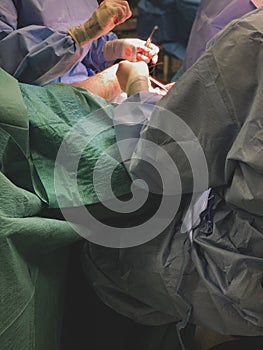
35	47
34	249
211	275
55	112
211	17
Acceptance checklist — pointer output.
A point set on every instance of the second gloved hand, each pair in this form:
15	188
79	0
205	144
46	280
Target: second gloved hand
133	50
133	77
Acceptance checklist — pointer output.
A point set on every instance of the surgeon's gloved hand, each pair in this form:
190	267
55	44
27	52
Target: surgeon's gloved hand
109	14
133	50
133	77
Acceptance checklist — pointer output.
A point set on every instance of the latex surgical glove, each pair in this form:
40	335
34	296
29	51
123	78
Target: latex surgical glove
132	50
109	14
133	77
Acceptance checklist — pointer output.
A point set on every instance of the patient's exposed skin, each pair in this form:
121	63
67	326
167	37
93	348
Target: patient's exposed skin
104	84
129	77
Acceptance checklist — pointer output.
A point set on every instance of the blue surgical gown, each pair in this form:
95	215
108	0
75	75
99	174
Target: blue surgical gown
212	16
36	48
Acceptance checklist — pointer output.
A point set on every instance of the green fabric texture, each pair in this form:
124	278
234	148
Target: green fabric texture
33	249
57	111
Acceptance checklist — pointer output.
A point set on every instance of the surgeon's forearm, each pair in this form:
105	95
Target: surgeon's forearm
104	84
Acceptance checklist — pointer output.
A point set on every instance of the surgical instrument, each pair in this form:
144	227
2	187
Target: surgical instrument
149	40
157	83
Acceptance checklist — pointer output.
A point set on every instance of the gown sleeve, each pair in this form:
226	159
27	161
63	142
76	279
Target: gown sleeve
35	54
